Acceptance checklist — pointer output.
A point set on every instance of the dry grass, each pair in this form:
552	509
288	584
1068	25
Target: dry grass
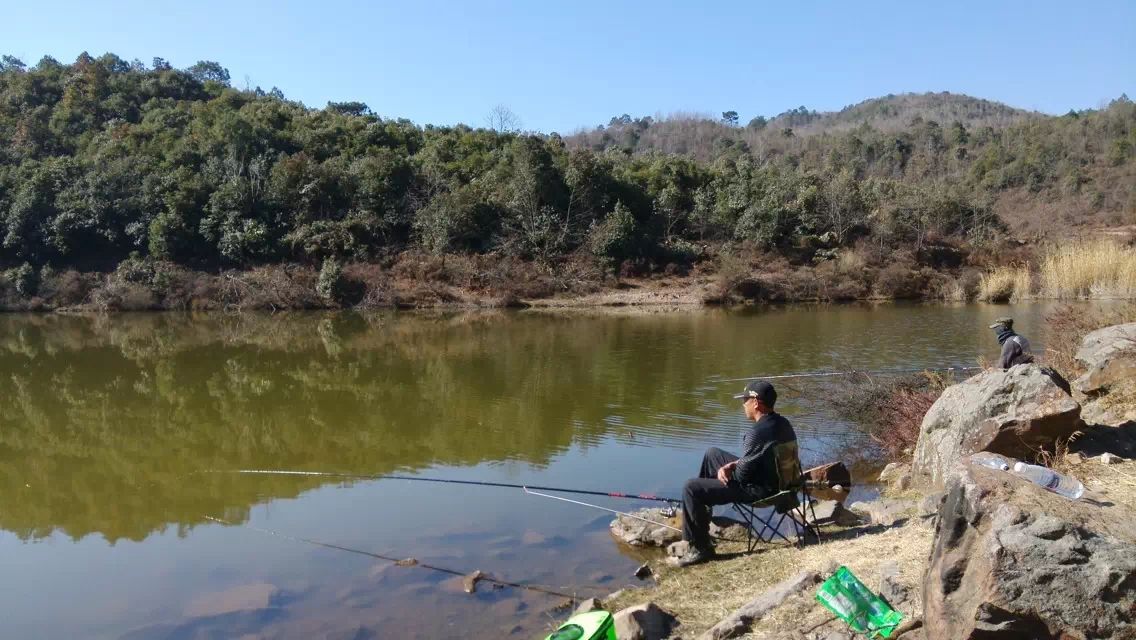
1005	284
1116	482
1090	269
851	261
702	595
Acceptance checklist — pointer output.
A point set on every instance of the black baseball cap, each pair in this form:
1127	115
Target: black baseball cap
761	390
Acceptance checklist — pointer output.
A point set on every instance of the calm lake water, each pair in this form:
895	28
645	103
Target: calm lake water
109	426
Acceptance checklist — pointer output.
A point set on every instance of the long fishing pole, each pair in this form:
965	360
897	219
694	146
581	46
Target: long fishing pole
398	561
529	491
480	483
825	374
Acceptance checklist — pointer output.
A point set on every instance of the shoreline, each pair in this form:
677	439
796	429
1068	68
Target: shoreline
292	288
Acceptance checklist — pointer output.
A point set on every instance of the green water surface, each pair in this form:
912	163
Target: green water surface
113	429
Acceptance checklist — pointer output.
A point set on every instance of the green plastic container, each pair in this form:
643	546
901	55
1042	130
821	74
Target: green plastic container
594	625
855	604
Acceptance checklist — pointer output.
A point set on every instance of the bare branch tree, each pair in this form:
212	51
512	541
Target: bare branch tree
502	119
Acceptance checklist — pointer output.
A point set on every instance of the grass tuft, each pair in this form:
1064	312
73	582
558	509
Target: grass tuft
1090	269
1005	284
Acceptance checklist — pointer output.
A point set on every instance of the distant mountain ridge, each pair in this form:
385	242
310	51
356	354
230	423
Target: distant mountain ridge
695	133
896	111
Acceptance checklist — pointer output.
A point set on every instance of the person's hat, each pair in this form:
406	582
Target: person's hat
1003	322
761	390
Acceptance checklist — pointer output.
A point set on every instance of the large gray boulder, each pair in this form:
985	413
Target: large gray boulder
1012	560
1109	358
1012	412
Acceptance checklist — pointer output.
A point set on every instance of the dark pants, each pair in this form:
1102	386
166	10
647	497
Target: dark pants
701	493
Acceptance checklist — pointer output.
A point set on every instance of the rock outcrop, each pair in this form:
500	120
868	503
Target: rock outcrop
1012	560
648	527
1011	412
1109	357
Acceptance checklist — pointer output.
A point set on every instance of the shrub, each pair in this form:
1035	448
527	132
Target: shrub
891	411
330	284
24	280
616	238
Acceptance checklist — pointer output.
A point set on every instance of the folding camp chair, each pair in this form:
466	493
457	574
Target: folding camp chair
792	503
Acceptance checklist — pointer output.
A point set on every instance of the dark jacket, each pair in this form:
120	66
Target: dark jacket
1015	349
757	469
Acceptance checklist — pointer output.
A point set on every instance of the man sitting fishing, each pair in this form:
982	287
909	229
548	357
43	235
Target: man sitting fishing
1015	348
725	478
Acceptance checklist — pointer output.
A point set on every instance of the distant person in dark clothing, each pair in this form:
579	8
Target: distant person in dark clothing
1015	348
725	478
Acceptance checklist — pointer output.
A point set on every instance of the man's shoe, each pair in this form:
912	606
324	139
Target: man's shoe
693	556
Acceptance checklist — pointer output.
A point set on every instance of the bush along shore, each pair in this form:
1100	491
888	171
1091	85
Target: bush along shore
1104	269
964	549
126	185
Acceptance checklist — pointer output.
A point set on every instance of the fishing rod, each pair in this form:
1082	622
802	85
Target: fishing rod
825	374
402	562
480	483
530	492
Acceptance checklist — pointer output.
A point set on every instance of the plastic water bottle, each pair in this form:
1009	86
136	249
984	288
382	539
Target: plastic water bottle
1060	484
993	463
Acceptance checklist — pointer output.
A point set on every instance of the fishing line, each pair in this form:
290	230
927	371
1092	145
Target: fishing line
622	513
371	554
825	374
596	506
479	483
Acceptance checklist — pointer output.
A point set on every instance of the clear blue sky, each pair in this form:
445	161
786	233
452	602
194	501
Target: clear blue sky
563	65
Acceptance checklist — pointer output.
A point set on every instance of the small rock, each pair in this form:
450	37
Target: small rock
892	470
469	582
248	597
1109	458
678	549
725	528
660	528
644	622
643	572
883	511
839	488
901	482
829	474
890	588
831	512
407	562
591	604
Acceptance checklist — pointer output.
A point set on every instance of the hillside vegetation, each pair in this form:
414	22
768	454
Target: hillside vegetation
147	173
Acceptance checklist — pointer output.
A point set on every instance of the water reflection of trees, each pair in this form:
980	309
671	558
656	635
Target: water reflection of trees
105	421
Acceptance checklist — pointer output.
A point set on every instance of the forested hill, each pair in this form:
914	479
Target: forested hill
891	113
103	160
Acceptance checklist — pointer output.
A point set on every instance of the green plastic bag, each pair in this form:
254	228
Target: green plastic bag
855	604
